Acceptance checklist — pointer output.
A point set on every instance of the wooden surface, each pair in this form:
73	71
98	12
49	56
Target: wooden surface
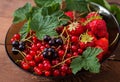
9	72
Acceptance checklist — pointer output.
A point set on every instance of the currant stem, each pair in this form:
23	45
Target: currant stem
66	48
63	61
22	54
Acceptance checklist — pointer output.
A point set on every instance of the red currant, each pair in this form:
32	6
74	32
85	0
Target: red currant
47	73
17	36
40	66
74	48
37	71
74	39
32	63
61	53
29	57
25	66
56	72
47	66
32	53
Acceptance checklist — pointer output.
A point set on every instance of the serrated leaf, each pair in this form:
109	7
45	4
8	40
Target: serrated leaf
76	64
44	25
24	30
87	61
77	5
21	13
46	3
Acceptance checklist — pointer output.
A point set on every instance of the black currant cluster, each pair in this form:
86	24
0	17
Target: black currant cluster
18	46
53	41
50	53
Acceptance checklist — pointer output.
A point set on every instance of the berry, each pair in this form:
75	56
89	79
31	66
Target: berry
59	41
74	48
52	42
40	66
61	53
17	36
56	73
37	71
22	43
47	66
92	14
14	51
21	47
70	14
47	38
15	44
98	27
47	73
25	66
32	53
103	43
32	63
74	39
29	57
75	29
64	68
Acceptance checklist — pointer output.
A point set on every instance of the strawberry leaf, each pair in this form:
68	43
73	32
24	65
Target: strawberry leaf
77	5
87	61
25	30
46	3
21	13
44	25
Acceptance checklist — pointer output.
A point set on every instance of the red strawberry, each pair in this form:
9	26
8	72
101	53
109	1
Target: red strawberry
103	43
75	29
98	27
87	40
91	14
70	14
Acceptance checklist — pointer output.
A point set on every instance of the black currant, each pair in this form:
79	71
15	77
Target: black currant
15	44
47	38
52	42
22	43
45	54
59	41
14	51
51	50
54	56
21	47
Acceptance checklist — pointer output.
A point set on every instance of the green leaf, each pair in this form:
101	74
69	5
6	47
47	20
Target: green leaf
44	25
87	61
46	3
77	64
21	13
77	5
24	30
116	12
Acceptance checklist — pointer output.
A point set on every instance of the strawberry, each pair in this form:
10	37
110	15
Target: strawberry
70	14
103	43
75	29
91	14
98	27
87	40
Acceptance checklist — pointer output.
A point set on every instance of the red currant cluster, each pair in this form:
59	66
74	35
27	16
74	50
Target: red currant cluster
52	56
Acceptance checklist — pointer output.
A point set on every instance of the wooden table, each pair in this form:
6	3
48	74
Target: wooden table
11	73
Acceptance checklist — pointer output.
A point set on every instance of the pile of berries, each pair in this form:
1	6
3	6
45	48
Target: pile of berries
52	56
